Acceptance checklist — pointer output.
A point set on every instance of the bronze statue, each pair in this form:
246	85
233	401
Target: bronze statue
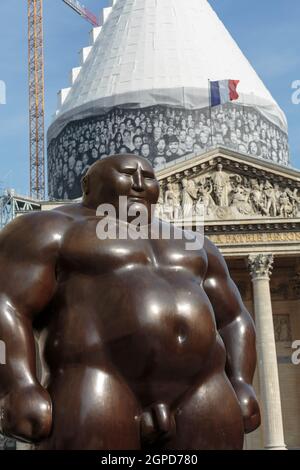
143	343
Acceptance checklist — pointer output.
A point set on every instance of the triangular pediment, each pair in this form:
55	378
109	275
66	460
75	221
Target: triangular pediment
231	188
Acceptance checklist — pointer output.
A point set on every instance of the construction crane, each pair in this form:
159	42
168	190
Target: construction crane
82	11
36	99
37	90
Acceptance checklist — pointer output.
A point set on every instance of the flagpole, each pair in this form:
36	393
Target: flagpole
209	101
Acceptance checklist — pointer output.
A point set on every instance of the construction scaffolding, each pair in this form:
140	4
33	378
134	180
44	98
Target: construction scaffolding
13	205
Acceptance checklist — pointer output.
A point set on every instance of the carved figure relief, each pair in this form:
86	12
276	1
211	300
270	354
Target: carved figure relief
282	327
225	195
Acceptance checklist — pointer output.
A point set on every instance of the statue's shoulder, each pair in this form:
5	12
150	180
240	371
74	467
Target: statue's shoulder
208	244
37	227
192	240
216	261
211	249
42	219
72	211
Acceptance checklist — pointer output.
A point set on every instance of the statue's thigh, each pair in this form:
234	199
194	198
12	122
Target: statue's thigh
209	418
93	410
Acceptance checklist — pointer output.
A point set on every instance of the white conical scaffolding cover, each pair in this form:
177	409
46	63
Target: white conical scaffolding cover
162	52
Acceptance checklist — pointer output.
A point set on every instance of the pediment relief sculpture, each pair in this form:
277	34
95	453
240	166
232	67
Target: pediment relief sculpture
223	194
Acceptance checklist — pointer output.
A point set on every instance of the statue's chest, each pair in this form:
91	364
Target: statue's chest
85	249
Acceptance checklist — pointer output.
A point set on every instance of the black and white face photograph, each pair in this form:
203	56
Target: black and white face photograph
163	135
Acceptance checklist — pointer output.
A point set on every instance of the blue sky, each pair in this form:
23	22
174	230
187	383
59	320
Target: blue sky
266	30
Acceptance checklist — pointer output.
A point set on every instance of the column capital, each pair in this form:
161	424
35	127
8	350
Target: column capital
261	265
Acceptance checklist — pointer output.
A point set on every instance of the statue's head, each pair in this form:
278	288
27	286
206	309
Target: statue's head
121	175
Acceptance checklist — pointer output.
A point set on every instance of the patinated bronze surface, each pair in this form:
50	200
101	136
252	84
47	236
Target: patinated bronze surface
145	343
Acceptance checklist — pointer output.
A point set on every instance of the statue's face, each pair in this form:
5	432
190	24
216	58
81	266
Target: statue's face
124	175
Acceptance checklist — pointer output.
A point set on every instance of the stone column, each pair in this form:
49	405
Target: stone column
261	266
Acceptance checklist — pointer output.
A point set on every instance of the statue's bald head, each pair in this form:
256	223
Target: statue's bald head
120	175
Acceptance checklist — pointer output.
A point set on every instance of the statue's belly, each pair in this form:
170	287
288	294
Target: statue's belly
154	327
158	324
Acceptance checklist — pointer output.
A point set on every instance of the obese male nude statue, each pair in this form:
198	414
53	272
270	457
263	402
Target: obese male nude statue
145	344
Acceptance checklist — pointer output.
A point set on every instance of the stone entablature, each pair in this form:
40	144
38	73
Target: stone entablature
255	238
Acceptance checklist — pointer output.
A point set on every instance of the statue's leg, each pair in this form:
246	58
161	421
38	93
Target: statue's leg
93	410
209	417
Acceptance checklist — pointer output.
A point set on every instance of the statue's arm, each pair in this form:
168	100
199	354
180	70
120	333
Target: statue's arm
28	252
236	328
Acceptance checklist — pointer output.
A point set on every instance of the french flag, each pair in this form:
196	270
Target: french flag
223	91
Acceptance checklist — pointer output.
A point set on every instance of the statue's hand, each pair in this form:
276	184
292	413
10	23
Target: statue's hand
157	423
26	413
249	405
